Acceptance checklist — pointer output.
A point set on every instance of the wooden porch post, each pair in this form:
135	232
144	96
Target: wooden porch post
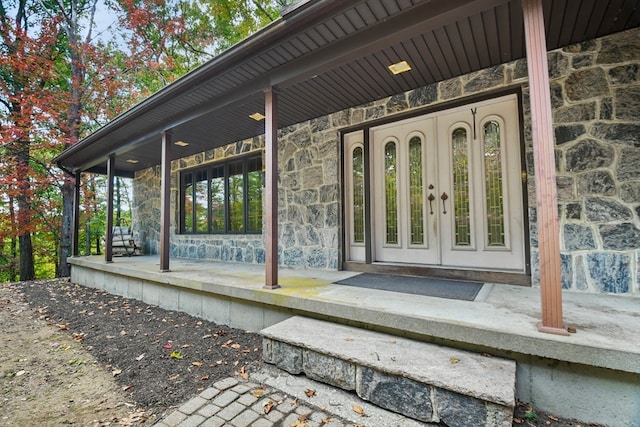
165	201
271	189
76	215
111	171
545	169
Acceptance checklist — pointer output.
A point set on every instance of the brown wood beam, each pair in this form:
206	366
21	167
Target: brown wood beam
165	201
545	169
271	189
76	214
111	171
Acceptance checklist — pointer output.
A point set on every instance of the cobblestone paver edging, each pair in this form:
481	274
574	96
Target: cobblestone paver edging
240	403
297	401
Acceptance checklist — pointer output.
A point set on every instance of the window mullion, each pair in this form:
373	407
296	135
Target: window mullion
227	201
245	191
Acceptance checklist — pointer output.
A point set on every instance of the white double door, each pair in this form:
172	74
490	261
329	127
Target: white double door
445	189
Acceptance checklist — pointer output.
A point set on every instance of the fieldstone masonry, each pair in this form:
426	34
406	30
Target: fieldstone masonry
595	92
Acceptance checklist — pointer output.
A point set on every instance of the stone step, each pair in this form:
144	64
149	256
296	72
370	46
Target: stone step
420	380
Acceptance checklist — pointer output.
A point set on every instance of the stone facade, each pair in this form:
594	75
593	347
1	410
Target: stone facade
595	91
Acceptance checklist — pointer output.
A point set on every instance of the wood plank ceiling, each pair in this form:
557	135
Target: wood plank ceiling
326	56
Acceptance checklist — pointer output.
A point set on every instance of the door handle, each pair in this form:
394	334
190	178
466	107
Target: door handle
431	198
444	197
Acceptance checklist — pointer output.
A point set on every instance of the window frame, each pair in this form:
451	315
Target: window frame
187	178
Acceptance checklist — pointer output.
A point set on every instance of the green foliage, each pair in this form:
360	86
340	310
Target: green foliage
58	83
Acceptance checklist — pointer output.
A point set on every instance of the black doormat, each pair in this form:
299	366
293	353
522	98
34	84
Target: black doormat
440	288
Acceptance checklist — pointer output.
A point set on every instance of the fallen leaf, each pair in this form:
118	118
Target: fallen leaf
294	402
127	388
267	406
176	355
235	346
453	360
348	339
243	373
551	417
123	333
62	327
116	372
20	373
236	363
309	392
303	417
196	363
257	393
186	345
358	410
139	358
246	351
326	420
205	378
168	346
174	377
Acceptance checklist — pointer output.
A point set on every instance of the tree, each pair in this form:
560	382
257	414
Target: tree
58	82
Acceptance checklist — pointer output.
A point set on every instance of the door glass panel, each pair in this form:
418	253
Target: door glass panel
460	167
218	218
493	183
358	195
201	202
391	192
188	202
254	194
416	191
236	197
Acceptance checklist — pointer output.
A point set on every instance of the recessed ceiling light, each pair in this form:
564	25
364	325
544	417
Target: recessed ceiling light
257	116
399	67
181	143
132	161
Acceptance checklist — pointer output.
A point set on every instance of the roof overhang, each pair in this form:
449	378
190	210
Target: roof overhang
328	55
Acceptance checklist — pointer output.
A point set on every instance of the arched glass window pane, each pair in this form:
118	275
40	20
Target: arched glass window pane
493	183
358	195
416	191
391	192
460	167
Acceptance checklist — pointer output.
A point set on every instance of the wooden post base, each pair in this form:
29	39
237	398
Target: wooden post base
271	287
552	330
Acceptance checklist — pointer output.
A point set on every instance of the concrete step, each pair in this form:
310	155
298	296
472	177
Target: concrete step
427	382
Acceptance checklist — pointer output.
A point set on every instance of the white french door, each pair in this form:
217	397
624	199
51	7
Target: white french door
445	189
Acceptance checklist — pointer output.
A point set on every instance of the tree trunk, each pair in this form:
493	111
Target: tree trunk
66	232
27	270
73	133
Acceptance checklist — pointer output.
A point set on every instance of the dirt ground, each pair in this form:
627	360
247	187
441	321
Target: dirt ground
76	356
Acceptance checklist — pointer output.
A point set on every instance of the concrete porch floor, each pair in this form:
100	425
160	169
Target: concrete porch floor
555	372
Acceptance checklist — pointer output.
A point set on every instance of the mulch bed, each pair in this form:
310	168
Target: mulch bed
160	358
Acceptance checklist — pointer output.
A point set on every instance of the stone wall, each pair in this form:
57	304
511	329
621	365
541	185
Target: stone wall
596	99
595	91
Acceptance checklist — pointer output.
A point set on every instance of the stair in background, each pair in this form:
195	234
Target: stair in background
420	380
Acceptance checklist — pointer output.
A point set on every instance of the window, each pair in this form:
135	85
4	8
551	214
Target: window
223	198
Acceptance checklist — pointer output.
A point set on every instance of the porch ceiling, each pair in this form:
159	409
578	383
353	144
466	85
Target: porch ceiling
327	55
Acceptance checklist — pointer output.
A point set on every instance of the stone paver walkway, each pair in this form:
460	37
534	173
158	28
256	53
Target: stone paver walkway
261	401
